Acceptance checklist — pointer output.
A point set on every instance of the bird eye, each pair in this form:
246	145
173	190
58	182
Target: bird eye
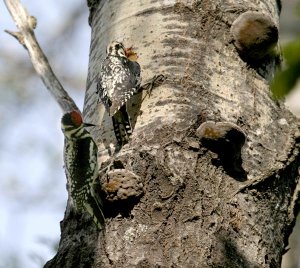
119	46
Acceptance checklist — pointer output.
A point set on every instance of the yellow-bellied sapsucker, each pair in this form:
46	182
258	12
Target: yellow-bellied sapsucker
81	166
119	79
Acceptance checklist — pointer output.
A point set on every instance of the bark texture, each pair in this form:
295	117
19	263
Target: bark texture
193	211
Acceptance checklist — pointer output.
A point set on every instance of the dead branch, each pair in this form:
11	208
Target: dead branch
26	25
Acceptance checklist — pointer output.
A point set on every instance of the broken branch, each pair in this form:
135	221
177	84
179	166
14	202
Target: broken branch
26	24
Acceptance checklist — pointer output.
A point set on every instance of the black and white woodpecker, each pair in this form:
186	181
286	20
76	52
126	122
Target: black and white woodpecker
119	79
81	166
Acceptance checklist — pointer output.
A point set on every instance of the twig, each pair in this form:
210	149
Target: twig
26	37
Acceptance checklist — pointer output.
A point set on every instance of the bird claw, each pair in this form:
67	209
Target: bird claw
154	82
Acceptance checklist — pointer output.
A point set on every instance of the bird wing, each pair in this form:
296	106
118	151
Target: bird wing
119	80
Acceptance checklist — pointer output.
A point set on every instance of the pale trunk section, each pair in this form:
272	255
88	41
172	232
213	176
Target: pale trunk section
192	213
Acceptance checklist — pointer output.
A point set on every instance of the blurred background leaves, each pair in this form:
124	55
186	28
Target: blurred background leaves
286	79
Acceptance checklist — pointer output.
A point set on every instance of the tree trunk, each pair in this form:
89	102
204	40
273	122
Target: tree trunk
203	204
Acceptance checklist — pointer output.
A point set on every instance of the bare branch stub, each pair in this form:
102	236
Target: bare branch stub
18	36
26	24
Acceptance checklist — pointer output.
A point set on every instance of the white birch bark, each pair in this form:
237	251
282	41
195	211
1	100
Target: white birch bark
192	213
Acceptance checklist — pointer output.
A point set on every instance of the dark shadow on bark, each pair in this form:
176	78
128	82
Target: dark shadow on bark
226	139
122	207
229	157
230	256
77	245
261	66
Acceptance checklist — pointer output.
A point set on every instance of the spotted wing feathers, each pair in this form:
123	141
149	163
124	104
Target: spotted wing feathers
119	80
81	166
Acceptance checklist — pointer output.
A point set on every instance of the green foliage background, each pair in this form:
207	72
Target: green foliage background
286	79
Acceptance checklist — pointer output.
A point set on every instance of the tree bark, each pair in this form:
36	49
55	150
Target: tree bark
198	209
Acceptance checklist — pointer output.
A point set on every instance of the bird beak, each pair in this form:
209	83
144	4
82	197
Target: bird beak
89	125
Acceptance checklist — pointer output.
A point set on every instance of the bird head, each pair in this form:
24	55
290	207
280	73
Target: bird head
116	48
73	127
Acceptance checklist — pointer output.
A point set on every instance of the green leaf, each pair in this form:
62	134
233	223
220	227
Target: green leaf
298	9
291	52
285	80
